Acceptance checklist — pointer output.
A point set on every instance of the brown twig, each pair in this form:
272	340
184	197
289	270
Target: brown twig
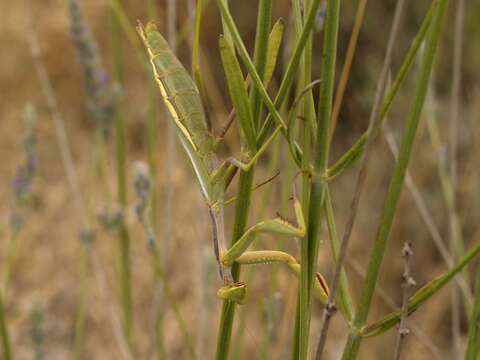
407	283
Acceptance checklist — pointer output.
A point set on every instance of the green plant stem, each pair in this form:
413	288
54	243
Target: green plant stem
246	178
309	245
305	164
473	347
396	183
291	70
361	177
7	265
264	24
241	216
4	337
82	304
121	158
151	135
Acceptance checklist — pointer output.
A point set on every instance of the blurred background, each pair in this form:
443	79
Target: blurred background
44	292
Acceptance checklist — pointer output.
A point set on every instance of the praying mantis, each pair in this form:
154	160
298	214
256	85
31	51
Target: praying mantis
183	102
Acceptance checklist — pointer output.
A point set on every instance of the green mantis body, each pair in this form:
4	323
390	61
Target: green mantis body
184	104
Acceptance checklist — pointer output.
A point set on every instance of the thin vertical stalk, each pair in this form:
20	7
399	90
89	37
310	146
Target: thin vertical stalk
266	199
264	24
305	165
241	216
291	70
407	283
171	150
396	183
82	306
309	245
473	346
170	158
456	242
121	165
4	337
362	174
246	177
151	135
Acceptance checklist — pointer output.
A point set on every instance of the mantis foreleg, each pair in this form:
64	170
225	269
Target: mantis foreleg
273	226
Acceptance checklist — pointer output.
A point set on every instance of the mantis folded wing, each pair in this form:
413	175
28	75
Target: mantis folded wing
183	102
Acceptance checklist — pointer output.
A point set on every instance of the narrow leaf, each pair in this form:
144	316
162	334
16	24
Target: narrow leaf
274	42
238	92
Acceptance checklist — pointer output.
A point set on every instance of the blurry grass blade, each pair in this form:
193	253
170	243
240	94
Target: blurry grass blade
473	346
422	295
238	92
4	337
274	42
353	154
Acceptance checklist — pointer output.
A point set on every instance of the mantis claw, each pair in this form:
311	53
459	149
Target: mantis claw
235	292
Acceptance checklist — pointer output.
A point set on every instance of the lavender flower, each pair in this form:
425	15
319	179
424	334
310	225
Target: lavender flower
102	95
143	184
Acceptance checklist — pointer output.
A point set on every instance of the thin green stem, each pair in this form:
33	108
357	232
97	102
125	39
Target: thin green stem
240	223
7	265
151	135
82	304
264	24
396	183
362	175
4	337
309	245
246	177
473	345
121	159
291	70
